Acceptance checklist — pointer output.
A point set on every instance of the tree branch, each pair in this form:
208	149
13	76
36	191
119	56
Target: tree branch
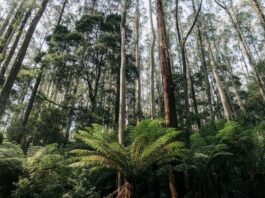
193	25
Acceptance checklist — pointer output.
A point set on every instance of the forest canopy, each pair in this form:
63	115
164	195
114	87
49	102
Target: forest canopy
132	98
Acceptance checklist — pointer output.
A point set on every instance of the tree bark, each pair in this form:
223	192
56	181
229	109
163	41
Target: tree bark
219	84
164	59
7	87
257	8
201	50
247	51
122	108
138	64
152	62
7	19
11	29
14	46
61	13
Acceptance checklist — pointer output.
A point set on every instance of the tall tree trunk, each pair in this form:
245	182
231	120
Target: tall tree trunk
201	50
138	64
7	87
237	92
193	96
184	68
7	19
122	108
61	13
152	62
247	51
32	98
117	99
182	44
11	29
28	110
219	84
257	8
70	115
14	46
168	87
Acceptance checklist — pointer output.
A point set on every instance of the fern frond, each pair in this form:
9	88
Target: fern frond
97	160
153	149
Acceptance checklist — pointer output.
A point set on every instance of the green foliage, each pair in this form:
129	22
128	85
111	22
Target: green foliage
11	157
153	144
47	175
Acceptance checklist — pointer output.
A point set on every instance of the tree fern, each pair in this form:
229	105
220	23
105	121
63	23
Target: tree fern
145	149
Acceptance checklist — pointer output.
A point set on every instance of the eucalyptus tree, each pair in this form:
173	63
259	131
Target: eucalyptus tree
10	31
152	61
258	9
219	84
165	64
204	67
182	43
122	109
11	53
252	61
7	87
10	13
138	61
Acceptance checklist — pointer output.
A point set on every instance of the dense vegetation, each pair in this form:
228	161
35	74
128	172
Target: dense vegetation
131	98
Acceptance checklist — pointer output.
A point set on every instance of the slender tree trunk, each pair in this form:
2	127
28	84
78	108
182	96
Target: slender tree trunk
247	51
201	50
138	64
237	93
7	87
14	46
61	13
32	98
184	68
117	100
29	109
122	74
7	19
193	96
70	115
152	63
168	87
10	30
220	87
257	8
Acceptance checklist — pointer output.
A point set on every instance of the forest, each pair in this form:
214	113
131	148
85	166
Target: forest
132	98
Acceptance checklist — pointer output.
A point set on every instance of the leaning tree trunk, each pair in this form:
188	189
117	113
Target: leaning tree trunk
62	12
14	46
247	51
7	87
257	8
7	19
11	29
219	84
